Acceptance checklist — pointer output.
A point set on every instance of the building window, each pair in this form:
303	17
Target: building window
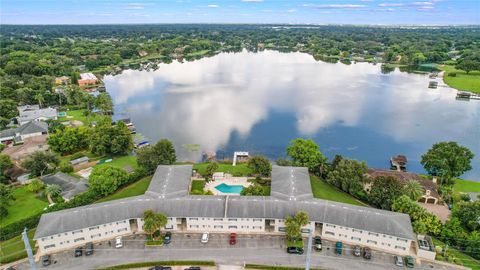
257	227
403	240
330	233
194	226
356	238
359	231
372	242
257	219
281	229
93	228
232	227
79	239
49	246
399	247
122	229
218	226
331	226
95	235
218	219
232	219
371	233
193	218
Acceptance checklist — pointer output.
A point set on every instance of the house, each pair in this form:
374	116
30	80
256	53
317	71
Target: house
19	134
87	79
399	163
430	187
62	80
29	113
168	193
239	157
71	186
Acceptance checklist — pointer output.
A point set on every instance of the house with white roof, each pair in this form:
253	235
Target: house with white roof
29	113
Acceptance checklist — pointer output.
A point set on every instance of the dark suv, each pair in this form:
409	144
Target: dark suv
89	249
367	253
167	238
46	260
295	250
317	243
78	252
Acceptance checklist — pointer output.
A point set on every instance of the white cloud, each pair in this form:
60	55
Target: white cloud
213	6
366	0
334	6
291	10
391	5
252	1
422	3
134	6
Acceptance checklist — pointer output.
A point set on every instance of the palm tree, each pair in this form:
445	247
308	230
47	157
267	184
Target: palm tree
40	99
413	189
52	191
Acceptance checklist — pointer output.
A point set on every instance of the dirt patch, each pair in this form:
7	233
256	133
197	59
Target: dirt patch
30	145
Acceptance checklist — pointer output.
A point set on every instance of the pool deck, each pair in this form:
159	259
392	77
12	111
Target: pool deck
231	181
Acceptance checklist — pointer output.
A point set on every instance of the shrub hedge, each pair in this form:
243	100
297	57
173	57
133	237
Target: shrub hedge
273	267
146	264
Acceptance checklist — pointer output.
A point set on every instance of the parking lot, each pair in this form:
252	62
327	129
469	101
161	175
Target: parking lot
259	249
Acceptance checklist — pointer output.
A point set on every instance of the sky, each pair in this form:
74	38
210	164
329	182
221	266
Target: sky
388	12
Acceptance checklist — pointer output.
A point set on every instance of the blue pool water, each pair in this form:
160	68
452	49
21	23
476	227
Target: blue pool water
229	189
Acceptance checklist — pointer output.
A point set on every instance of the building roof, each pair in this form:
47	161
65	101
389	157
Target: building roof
168	193
291	183
71	186
33	113
404	177
88	76
29	128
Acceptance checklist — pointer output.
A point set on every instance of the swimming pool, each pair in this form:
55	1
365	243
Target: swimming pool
224	188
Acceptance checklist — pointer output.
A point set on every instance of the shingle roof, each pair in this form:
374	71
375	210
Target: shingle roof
175	203
29	128
291	183
32	114
71	186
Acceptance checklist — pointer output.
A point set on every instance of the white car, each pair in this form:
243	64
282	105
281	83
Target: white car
118	242
204	237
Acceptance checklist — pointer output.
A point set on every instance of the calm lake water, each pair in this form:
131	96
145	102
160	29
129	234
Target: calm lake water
258	102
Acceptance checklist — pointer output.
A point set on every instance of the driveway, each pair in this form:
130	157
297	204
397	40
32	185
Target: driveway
258	249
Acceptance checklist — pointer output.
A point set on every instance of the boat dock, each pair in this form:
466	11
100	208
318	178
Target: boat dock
463	95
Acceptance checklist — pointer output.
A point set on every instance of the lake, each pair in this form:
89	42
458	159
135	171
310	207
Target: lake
258	102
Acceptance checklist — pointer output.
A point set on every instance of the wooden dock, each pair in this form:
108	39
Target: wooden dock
467	95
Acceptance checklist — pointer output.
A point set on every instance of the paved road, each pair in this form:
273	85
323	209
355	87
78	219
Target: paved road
258	249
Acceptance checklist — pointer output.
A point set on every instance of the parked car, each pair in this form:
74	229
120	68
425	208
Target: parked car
295	250
357	252
156	267
233	239
204	238
118	242
167	238
89	249
317	243
46	260
367	253
78	251
338	248
409	261
193	268
398	261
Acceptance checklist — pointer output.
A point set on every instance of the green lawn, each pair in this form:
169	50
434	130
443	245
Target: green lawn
239	170
135	189
197	185
466	186
79	115
323	190
298	243
13	249
26	204
463	81
122	162
460	258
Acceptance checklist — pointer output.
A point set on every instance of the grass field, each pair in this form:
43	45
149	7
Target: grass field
239	170
463	81
461	258
466	186
323	190
197	185
13	249
26	204
135	189
79	115
122	162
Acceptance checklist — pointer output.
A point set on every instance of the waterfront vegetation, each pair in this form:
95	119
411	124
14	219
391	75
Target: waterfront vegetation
26	204
466	186
122	162
461	80
82	115
323	190
241	169
13	249
135	189
455	256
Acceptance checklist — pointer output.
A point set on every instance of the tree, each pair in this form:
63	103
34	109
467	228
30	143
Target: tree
52	190
163	153
153	222
69	140
105	180
111	139
104	103
422	221
6	197
5	164
8	110
349	176
254	190
35	186
468	213
39	98
294	224
260	165
413	189
211	169
306	153
384	190
452	231
40	162
447	160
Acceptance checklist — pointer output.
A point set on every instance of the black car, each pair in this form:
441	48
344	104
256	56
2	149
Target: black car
78	252
156	267
295	250
193	268
367	253
46	260
317	243
89	249
167	238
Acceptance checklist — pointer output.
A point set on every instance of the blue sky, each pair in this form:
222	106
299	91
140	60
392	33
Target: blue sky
431	12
